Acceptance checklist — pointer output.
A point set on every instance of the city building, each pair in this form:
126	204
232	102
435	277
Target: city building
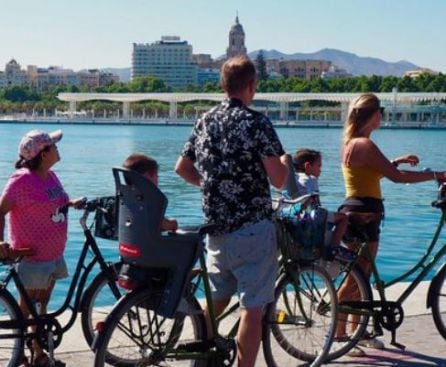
304	69
44	78
236	40
208	75
169	59
14	75
334	72
203	60
418	72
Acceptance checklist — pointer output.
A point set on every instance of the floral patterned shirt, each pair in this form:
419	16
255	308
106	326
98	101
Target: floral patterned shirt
227	145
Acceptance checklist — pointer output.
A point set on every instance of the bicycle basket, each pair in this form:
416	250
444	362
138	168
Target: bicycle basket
302	239
106	218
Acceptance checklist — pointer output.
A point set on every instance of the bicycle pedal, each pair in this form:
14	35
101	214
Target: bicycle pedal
322	308
197	346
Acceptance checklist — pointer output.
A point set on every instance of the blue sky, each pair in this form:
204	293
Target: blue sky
80	34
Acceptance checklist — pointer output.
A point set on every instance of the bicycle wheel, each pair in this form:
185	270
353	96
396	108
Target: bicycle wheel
439	303
350	327
142	338
98	300
301	322
12	340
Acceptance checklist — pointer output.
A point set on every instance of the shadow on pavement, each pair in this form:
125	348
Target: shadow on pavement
394	357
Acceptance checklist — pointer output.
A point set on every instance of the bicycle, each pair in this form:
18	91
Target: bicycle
386	314
15	331
143	337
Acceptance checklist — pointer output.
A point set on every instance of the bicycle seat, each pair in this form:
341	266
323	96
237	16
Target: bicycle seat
141	242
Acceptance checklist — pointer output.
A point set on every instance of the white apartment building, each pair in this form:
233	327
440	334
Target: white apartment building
42	78
169	59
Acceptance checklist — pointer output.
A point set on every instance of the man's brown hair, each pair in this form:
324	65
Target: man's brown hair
236	74
141	163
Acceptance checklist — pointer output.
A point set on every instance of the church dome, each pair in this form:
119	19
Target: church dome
237	27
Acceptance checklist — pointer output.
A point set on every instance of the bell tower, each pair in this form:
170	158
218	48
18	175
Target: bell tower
236	40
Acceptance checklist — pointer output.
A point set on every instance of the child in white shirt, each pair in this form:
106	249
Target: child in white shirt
307	164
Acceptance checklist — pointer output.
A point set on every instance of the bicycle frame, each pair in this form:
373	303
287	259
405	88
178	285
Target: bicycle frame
206	353
76	288
425	264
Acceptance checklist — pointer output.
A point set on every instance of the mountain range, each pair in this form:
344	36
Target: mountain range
354	64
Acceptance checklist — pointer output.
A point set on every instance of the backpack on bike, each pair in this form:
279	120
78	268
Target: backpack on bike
142	244
302	236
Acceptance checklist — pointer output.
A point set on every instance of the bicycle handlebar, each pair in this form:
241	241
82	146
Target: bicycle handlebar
89	206
13	254
441	200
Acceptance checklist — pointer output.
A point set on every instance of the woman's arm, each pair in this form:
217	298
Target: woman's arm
375	158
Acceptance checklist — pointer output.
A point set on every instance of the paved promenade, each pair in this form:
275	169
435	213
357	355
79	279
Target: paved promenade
424	346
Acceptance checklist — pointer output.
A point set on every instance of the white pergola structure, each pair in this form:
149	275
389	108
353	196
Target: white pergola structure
283	99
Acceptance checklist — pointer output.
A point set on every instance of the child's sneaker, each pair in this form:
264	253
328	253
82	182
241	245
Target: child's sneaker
343	254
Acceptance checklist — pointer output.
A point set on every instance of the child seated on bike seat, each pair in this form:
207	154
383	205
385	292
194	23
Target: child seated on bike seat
307	164
148	168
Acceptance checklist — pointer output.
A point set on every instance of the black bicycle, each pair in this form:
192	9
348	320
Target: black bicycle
161	322
93	303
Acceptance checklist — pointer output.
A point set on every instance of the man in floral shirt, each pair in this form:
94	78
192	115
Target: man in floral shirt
231	154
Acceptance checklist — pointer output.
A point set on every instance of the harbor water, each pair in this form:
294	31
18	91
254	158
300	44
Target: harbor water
88	153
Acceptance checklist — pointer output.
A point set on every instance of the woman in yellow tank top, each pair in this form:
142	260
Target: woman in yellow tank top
363	166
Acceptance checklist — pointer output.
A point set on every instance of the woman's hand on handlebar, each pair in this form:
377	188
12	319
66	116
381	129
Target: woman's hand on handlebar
78	203
6	252
440	176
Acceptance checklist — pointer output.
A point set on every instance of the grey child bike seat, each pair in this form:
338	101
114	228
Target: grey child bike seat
142	244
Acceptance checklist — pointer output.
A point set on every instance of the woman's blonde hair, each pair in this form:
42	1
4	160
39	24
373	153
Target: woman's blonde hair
360	111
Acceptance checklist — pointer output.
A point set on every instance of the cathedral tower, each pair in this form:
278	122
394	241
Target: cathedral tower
236	40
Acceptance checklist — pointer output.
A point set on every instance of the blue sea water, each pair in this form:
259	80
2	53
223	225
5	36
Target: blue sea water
89	151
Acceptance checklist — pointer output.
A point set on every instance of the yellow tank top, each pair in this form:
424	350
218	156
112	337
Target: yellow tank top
362	181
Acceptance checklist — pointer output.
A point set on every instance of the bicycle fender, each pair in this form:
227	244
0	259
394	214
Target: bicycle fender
438	276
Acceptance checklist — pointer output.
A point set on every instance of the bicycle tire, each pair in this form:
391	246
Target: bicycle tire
98	300
439	302
12	340
350	337
301	322
132	316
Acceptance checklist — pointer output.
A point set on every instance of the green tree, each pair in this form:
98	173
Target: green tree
148	84
260	63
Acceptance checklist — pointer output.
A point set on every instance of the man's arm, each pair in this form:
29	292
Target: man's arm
185	168
277	170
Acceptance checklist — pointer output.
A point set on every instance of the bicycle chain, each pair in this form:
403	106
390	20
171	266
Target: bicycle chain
391	316
44	327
